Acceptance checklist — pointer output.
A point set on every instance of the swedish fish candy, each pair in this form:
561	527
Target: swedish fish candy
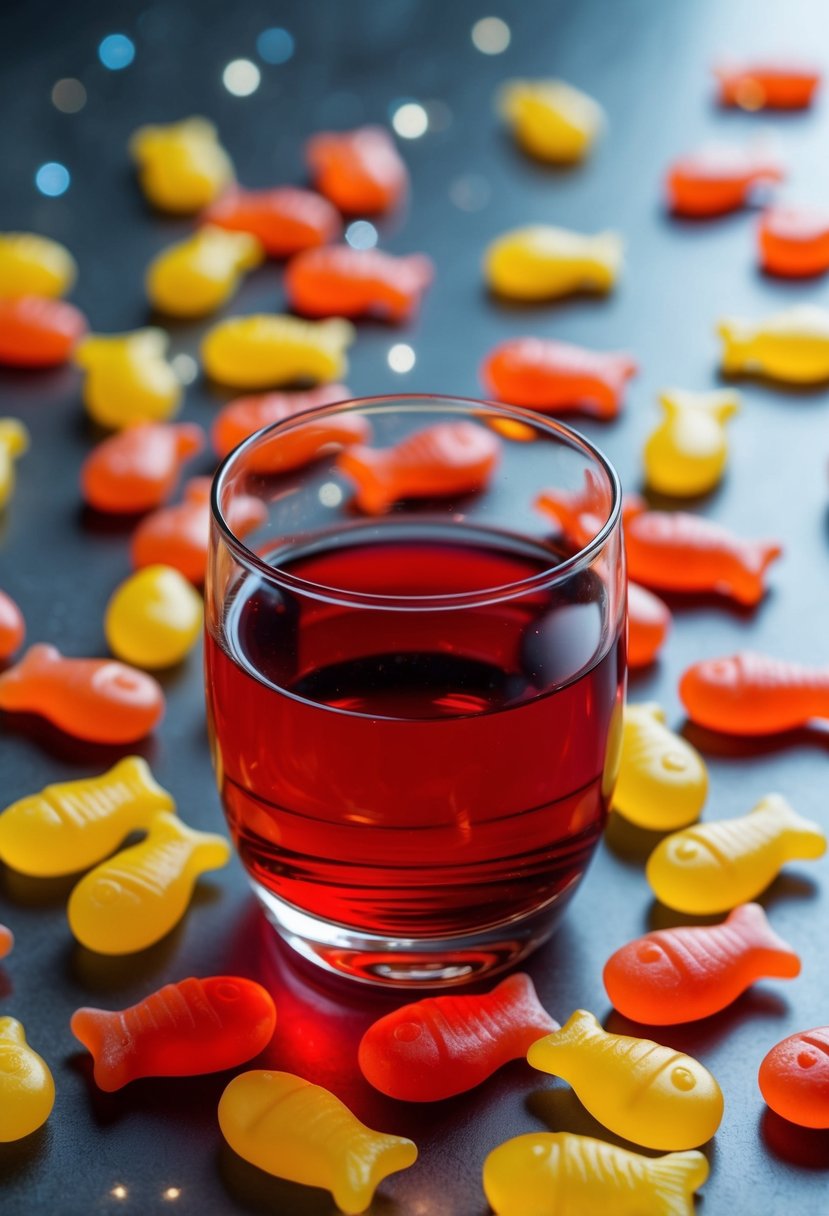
794	1078
133	900
687	453
638	1089
201	273
301	1132
581	514
545	374
27	1091
6	941
768	85
182	166
284	220
12	627
752	694
338	281
359	171
561	1174
137	468
154	618
794	241
72	825
791	345
128	379
712	867
265	350
718	179
649	621
32	265
542	262
550	119
663	782
14	442
36	331
245	415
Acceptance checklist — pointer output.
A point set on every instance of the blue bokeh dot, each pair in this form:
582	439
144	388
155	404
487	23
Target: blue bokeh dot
116	51
275	45
52	179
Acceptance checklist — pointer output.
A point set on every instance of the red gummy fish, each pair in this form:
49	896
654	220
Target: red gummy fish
794	242
12	627
446	1045
6	941
751	694
681	975
547	375
38	332
718	179
183	1030
768	86
442	460
338	281
137	469
359	171
649	621
794	1078
284	220
101	700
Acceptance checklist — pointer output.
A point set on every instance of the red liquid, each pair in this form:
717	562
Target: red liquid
415	773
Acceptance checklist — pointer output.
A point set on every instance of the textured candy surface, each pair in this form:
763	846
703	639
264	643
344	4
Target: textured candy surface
27	1091
548	375
267	350
794	1078
338	281
663	781
541	262
137	469
128	379
752	694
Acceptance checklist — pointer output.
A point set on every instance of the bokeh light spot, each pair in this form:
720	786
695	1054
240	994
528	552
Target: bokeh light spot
52	179
241	77
491	35
275	45
116	52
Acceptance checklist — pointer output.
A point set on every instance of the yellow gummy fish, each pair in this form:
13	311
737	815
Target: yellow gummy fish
181	166
560	1174
14	441
32	265
72	825
713	867
663	782
128	379
791	345
687	453
198	275
27	1091
639	1089
269	349
542	262
299	1131
551	119
136	898
154	618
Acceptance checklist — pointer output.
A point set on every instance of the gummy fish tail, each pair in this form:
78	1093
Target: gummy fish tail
103	1035
210	852
14	683
370	1158
773	954
674	1179
608	251
138	779
746	580
13	436
737	346
803	840
528	1019
546	1054
559	507
368	469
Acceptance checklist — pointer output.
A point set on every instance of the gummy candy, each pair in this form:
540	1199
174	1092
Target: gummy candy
794	1078
663	781
581	514
179	536
154	618
32	265
768	85
446	1045
794	241
550	119
718	179
649	621
677	551
14	442
136	897
751	694
184	1030
73	825
687	453
299	1131
266	349
127	378
200	274
6	941
680	975
561	1174
284	220
544	374
12	627
182	167
791	345
447	459
712	867
360	171
36	331
137	469
95	699
636	1088
243	417
541	262
27	1091
338	281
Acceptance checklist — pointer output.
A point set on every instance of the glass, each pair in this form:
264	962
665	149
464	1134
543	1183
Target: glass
415	716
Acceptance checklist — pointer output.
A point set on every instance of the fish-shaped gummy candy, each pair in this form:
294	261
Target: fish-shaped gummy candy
686	453
649	621
581	514
27	1091
718	179
550	119
14	443
359	170
137	468
200	274
557	377
128	379
265	350
794	241
794	1078
12	627
36	331
752	694
768	85
663	781
6	941
34	265
182	167
338	281
791	346
283	219
541	262
242	417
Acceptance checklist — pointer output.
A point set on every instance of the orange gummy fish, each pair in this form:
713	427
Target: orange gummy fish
359	171
284	219
442	460
681	975
794	242
718	179
446	1045
6	941
183	1030
338	281
547	375
677	551
137	469
36	331
101	700
12	627
246	415
649	620
751	694
581	514
794	1078
768	86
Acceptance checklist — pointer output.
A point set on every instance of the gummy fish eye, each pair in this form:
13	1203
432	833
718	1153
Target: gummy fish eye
806	1059
649	952
407	1032
227	992
686	850
106	891
683	1079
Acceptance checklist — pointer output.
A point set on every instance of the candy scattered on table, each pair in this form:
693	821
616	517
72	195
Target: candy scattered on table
284	219
360	171
33	265
14	443
154	618
718	179
201	273
37	331
791	346
768	85
12	627
649	622
6	941
27	1091
793	242
542	263
182	167
581	514
663	781
794	1078
752	694
557	377
267	350
550	119
338	281
128	379
687	452
137	469
240	418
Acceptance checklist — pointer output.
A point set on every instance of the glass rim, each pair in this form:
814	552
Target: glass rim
398	403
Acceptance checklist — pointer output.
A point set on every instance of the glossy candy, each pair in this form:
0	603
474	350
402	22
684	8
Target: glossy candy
636	1088
182	167
541	262
136	897
338	281
712	867
550	119
751	694
6	941
687	452
265	350
444	460
649	622
32	265
154	618
14	443
447	1045
794	241
128	379
581	514
557	377
792	346
72	825
138	468
561	1174
768	85
663	781
27	1091
284	219
246	415
36	331
184	1030
794	1078
681	975
299	1131
95	699
200	274
12	627
360	171
718	179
